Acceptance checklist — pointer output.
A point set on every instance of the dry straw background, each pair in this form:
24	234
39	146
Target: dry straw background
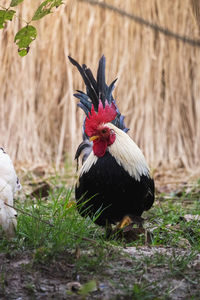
158	87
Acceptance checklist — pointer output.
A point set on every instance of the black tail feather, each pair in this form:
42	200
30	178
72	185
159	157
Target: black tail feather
101	83
91	92
93	85
84	103
110	90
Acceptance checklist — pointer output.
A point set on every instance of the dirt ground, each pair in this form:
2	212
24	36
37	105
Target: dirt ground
22	279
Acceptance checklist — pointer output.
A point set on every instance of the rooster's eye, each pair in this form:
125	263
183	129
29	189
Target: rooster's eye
103	131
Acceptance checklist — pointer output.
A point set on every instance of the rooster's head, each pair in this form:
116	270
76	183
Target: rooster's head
97	130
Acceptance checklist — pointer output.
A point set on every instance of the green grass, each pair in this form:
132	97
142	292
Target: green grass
51	226
167	223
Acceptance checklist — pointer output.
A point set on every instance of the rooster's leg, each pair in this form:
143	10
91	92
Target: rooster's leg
124	222
130	220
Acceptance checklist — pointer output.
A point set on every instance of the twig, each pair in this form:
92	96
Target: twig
143	22
176	287
50	224
26	213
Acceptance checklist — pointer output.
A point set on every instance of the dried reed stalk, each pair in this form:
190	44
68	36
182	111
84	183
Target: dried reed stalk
158	83
196	11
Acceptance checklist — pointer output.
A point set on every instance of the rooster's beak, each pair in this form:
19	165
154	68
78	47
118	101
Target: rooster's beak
94	137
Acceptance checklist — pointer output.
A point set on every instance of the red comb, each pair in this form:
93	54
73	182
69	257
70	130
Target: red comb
104	115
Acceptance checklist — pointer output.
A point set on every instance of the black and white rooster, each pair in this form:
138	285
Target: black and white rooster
114	181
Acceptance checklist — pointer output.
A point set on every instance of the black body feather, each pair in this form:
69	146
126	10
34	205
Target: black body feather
113	191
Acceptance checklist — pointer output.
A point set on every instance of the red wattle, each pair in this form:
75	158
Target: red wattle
99	147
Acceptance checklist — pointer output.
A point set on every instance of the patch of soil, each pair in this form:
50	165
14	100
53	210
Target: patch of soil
20	278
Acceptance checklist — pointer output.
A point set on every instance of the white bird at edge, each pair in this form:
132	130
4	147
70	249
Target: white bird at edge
9	184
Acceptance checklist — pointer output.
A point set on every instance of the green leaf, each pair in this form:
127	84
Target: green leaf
6	15
88	287
15	2
23	52
24	37
45	8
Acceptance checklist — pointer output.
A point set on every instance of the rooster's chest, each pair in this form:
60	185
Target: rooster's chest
108	187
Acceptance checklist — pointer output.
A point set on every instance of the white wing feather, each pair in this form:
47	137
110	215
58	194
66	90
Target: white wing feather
128	154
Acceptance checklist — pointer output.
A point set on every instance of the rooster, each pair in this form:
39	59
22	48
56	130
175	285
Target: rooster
9	184
114	183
